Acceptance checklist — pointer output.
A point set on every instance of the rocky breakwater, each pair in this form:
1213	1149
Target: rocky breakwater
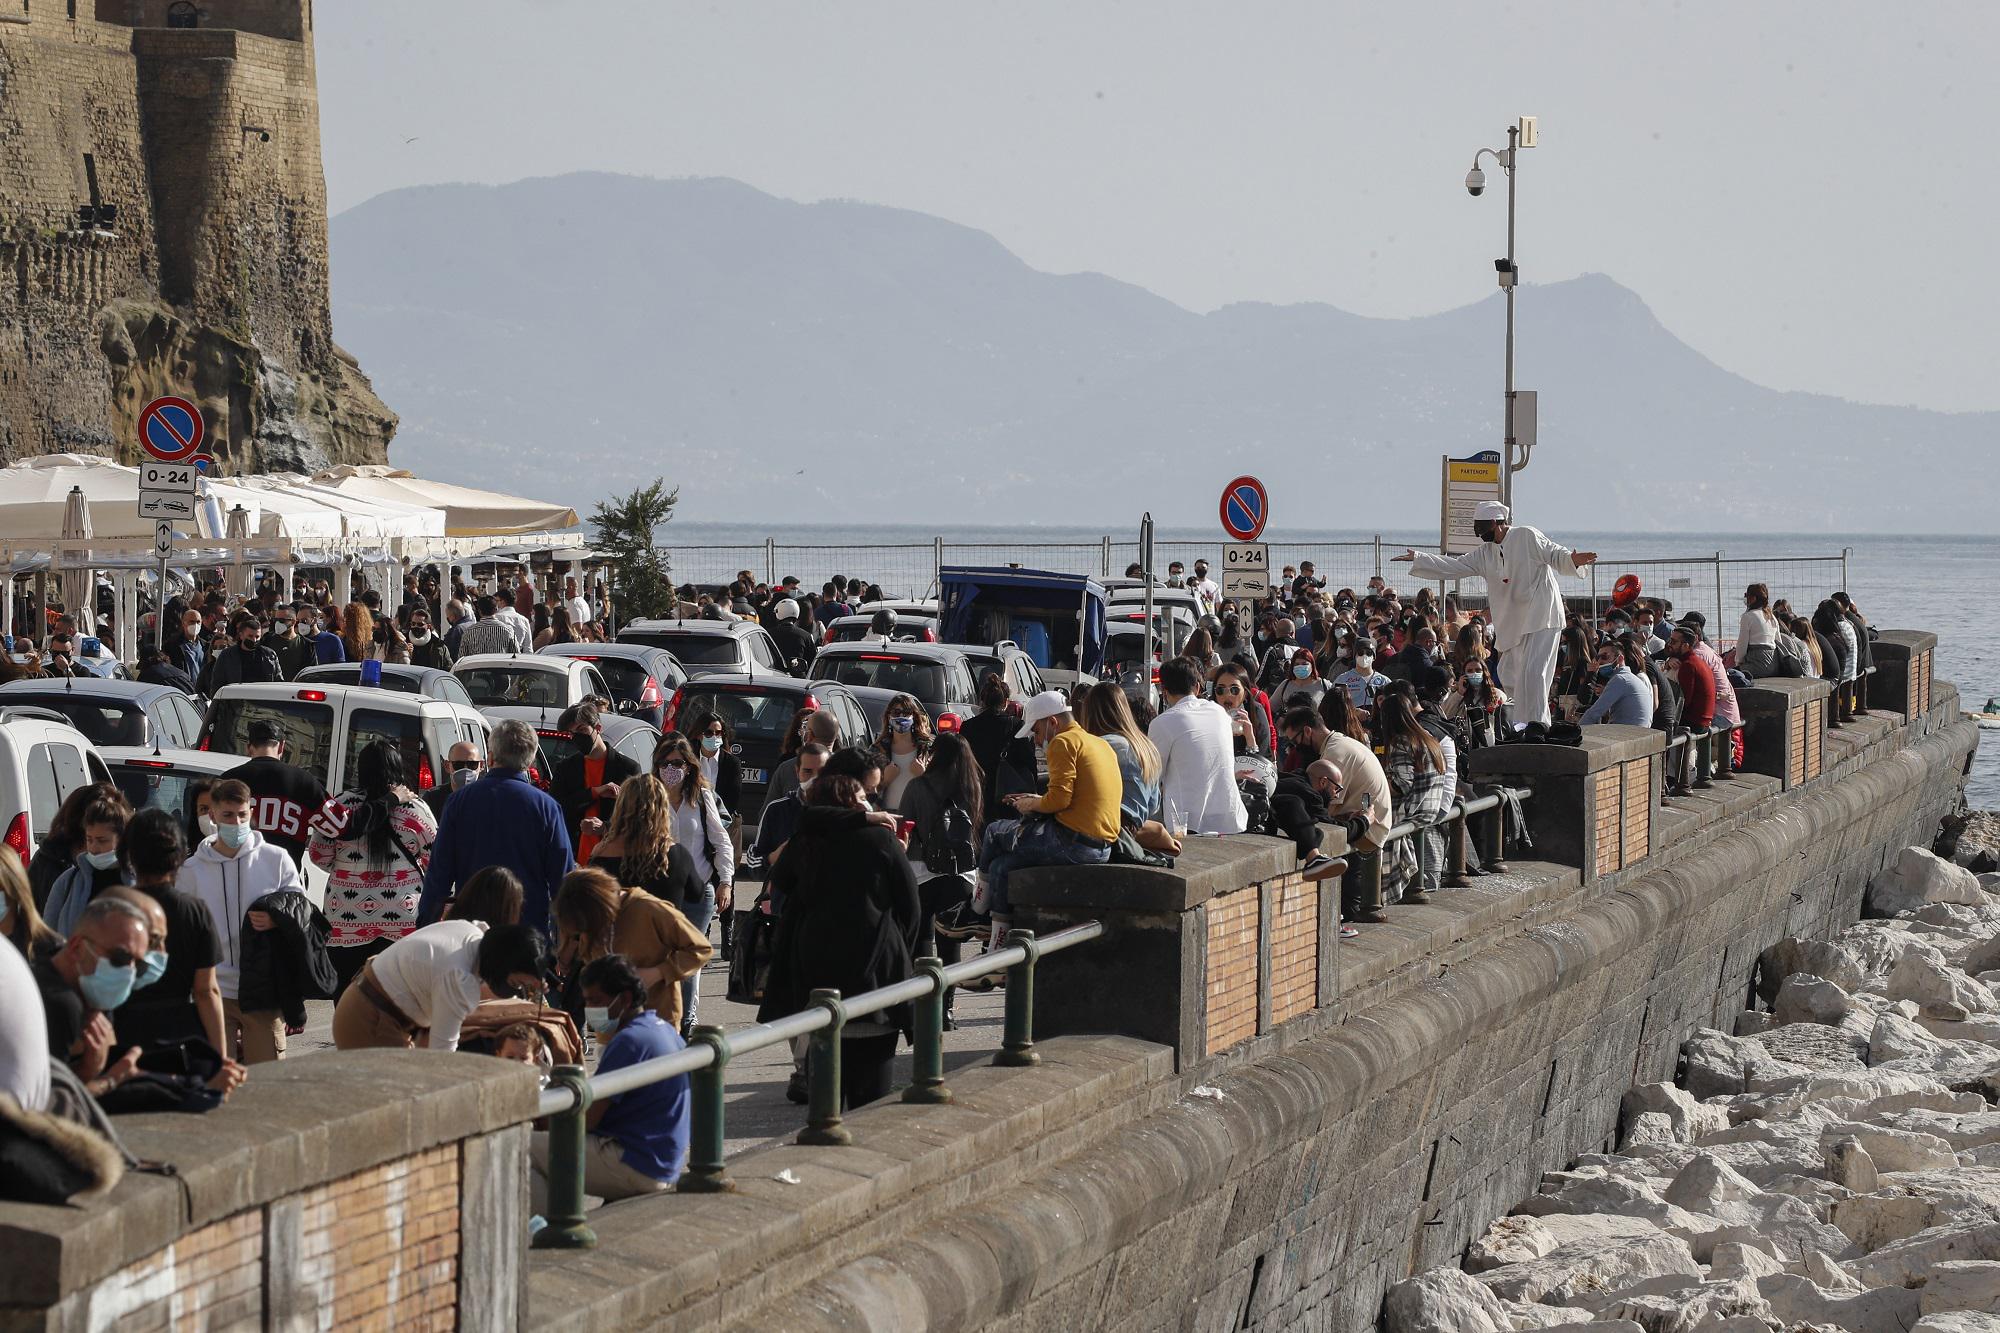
1834	1163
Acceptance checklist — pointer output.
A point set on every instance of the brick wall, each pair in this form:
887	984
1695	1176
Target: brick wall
1232	968
382	1245
1294	948
211	1278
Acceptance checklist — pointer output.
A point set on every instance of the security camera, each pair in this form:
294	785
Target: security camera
1475	182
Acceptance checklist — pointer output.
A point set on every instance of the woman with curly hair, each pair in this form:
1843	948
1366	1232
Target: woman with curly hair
357	632
904	745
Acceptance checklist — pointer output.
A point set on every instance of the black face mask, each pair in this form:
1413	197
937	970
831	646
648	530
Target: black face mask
1484	529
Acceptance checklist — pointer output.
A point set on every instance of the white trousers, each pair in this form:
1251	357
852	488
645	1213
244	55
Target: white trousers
1528	672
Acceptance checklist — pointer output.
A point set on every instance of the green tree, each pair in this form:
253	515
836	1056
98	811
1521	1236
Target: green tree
642	582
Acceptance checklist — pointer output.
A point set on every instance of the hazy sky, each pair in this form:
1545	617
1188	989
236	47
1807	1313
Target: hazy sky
1803	191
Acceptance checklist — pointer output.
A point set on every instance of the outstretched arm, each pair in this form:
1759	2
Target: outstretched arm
1427	566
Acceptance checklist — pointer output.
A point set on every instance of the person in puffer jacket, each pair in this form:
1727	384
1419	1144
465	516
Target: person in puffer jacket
231	872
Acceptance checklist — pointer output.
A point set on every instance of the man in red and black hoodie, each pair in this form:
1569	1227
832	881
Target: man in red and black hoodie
284	797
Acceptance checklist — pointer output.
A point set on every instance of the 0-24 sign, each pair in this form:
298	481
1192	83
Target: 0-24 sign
1246	570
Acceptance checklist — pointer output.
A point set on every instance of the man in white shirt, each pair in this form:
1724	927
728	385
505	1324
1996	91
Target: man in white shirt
432	979
579	609
1364	796
1205	589
516	624
24	1034
1519	566
1197	757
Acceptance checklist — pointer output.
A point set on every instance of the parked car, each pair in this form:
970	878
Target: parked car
325	727
528	680
1006	660
711	647
1176	612
163	779
642	678
911	626
1124	661
629	736
937	675
435	682
758	711
113	712
42	760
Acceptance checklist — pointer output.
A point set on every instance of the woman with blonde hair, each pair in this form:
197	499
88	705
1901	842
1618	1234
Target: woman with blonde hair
1103	710
357	632
19	921
596	916
638	847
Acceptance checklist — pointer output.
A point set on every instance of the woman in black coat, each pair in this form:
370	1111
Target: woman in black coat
994	733
850	916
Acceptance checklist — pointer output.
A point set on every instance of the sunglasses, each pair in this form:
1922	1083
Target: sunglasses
460	765
116	957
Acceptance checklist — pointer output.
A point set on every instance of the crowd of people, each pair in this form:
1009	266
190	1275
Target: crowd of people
156	961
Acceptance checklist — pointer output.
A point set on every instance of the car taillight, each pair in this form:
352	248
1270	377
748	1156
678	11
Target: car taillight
930	636
649	694
673	711
149	763
948	722
880	657
17	836
811	704
535	776
205	738
313	696
425	778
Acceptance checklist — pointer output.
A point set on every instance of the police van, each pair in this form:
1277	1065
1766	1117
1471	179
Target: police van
326	726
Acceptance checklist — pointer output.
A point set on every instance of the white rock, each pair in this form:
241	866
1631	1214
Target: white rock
1706	1182
1876	945
1510	1240
1712	1063
1691	1118
1805	998
1820	1270
1922	975
1733	1259
1961	1131
1650	1131
1794	1300
1571	1274
1904	1262
1444	1300
1849	1163
1750	1022
1962	1285
1894	1149
1957	1321
1822	958
1528	1316
1697	1307
1936	880
1889	896
1897	1038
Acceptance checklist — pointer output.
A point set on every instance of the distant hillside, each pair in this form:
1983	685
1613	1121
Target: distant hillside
801	362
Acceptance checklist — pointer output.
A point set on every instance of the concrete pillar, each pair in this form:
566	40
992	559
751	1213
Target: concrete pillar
1902	679
126	611
1785	727
1595	803
343	582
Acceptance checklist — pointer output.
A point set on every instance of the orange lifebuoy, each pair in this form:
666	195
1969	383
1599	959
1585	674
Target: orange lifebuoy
1626	590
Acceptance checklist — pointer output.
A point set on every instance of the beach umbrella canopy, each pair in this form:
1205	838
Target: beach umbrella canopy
467	512
78	585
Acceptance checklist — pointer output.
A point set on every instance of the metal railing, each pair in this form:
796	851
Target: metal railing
710	1049
1707	583
1714	756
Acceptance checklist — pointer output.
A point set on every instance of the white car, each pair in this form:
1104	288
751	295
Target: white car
42	760
529	680
325	727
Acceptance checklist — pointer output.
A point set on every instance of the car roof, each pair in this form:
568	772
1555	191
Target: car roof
198	761
901	616
90	685
920	652
322	670
334	691
586	651
718	628
531	661
918	605
767	683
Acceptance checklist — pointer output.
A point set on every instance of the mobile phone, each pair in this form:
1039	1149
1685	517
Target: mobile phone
905	827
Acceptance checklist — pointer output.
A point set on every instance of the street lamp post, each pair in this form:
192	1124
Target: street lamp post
1520	135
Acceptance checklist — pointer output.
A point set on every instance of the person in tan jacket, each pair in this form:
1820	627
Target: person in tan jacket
596	916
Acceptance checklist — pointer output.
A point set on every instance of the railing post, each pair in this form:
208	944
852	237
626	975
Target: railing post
937	566
1725	755
823	1125
771	560
1017	1042
927	1041
1718	598
1378	555
1455	876
1703	757
705	1173
566	1229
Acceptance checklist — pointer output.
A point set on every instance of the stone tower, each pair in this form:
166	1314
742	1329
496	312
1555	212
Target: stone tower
163	229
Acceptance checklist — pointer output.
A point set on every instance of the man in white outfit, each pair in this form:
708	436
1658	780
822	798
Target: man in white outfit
1520	566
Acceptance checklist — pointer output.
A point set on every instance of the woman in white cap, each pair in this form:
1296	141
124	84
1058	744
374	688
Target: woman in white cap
1520	566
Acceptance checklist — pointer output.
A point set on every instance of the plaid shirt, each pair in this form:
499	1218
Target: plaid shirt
1423	795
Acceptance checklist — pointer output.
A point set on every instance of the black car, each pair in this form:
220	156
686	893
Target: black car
758	712
938	676
710	647
642	678
114	712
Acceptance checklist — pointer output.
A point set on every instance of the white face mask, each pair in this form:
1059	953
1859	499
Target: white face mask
206	825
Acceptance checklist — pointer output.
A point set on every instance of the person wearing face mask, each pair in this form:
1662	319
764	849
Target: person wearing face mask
155	668
177	996
1623	699
636	1142
83	982
182	638
233	873
427	649
586	782
248	660
1302	686
715	744
780	817
904	747
1362	683
461	764
97	866
372	839
1520	567
808	726
501	819
295	650
700	826
1278	656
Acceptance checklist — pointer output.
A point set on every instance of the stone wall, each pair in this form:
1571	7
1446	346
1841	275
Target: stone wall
213	281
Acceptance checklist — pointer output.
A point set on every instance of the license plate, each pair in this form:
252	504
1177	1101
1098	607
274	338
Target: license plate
756	775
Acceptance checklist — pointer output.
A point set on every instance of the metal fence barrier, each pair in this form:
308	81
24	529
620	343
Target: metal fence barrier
710	1050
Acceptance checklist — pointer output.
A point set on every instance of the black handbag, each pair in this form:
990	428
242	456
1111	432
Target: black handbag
750	955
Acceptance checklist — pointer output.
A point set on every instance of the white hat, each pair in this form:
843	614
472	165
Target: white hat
1490	509
786	609
1043	706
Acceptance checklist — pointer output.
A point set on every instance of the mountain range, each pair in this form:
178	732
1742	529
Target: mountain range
785	362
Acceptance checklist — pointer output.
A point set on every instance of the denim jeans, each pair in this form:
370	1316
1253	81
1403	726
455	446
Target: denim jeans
1015	844
699	915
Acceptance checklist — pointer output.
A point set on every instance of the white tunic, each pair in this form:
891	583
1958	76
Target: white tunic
1520	574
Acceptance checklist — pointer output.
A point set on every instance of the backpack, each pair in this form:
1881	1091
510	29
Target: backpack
948	848
1791	657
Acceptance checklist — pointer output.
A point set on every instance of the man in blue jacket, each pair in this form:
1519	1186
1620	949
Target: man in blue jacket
1622	698
501	819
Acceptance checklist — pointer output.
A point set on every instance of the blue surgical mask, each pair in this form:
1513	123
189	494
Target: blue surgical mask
233	835
101	860
1302	671
1475	677
154	969
901	723
598	1019
105	987
1607	671
711	744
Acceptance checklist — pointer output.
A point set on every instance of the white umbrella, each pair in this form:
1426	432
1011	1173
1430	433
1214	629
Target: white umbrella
467	512
79	592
